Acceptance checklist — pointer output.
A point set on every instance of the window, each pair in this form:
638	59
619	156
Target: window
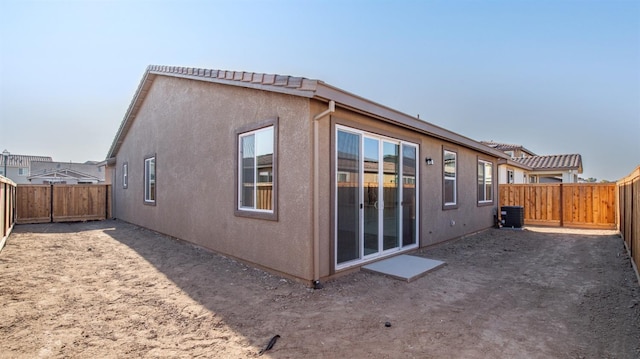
509	176
150	180
125	175
449	170
485	182
510	153
23	171
257	175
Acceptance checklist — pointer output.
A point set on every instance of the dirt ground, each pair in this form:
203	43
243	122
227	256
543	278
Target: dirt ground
113	290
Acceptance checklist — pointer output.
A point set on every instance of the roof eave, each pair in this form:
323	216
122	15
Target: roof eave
132	111
359	104
307	90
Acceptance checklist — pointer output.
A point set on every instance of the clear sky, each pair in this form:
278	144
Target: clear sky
557	77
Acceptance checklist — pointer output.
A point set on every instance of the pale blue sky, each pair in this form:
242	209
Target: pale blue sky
555	76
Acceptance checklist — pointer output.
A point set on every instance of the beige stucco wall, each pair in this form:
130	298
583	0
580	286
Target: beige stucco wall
191	128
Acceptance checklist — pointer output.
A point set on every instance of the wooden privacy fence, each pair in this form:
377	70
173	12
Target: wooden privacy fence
62	203
579	205
7	208
629	213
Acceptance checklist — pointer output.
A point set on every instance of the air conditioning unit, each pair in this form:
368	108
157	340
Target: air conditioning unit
512	216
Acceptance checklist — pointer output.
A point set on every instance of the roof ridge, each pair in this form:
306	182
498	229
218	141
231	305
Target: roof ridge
555	155
501	143
255	78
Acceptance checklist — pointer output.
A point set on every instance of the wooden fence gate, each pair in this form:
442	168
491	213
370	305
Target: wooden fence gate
62	203
579	205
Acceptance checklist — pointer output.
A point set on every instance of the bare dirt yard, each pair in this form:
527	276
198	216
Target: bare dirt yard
113	290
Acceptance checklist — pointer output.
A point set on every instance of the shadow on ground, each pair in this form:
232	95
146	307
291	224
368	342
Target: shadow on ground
111	289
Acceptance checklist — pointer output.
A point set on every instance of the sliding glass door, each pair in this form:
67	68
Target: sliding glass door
376	196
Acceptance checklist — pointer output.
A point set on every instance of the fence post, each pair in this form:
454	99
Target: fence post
561	205
51	203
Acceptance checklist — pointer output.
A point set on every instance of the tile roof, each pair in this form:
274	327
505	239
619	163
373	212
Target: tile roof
280	83
89	168
552	162
23	160
505	146
63	173
297	86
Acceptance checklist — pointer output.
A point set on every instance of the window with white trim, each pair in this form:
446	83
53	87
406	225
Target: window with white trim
24	171
125	175
449	169
485	182
256	176
150	180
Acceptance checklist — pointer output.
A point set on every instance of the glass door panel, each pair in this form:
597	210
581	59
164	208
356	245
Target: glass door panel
391	221
409	195
348	197
371	179
376	196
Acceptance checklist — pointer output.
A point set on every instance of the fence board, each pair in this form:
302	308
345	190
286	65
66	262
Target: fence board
583	205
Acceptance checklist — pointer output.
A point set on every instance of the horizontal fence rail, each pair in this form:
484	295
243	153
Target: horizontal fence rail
7	208
629	214
63	203
579	205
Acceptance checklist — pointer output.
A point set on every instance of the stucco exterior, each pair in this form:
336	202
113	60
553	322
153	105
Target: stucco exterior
191	126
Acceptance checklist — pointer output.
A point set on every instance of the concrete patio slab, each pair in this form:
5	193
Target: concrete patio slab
404	267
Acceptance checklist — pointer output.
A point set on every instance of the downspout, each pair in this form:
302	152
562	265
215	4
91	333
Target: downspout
316	196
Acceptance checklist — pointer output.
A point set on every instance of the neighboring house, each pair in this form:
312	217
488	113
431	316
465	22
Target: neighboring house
524	166
19	166
90	172
292	174
553	168
64	176
513	151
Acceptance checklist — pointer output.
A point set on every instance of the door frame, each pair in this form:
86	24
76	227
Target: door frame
334	208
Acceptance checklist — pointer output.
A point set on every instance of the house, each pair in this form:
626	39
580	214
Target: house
291	174
90	172
18	167
524	166
553	168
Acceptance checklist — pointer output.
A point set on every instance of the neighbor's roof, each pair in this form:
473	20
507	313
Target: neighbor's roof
506	147
65	173
553	162
297	86
23	160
